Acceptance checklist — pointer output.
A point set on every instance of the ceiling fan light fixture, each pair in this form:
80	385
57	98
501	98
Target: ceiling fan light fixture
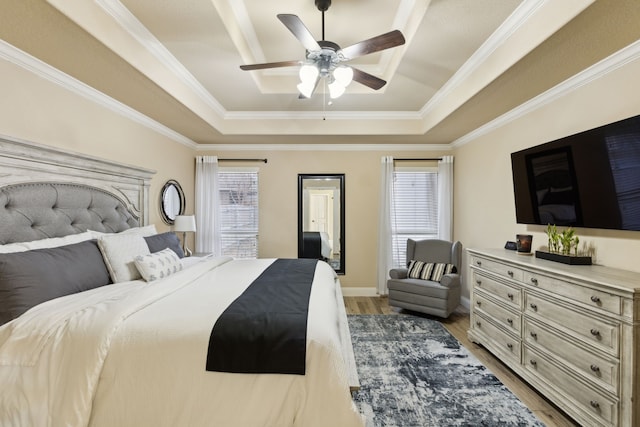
343	75
336	89
306	88
308	74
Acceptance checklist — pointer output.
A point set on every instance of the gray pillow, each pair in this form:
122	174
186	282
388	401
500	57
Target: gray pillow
33	277
159	242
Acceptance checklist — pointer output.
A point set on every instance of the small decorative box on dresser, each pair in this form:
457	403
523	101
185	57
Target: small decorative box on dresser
572	332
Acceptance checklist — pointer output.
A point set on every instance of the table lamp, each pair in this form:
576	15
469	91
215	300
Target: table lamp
184	224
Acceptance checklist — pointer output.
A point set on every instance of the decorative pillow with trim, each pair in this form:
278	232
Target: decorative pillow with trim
158	265
429	270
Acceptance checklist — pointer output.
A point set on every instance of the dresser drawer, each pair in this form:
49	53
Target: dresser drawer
499	342
591	330
598	405
507	318
498	268
509	294
590	297
599	370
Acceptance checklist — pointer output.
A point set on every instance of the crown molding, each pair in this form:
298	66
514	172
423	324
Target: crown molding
35	66
597	71
324	147
139	32
327	114
515	21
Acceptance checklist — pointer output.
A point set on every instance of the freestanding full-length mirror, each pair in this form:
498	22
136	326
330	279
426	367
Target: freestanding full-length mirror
321	218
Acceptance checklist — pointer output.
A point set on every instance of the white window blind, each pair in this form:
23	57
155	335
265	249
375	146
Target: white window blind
239	210
415	208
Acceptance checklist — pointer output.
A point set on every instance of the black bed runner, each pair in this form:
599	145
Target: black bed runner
264	331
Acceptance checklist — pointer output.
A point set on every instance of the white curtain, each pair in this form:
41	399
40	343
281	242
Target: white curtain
445	198
207	205
385	243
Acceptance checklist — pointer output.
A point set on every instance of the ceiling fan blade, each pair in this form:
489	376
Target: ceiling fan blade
383	41
302	33
269	65
367	79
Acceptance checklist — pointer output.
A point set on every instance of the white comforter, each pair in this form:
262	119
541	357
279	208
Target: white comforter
134	353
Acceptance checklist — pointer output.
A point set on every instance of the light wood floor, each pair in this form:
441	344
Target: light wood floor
458	324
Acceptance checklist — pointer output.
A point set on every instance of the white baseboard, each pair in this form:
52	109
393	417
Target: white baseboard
373	292
359	292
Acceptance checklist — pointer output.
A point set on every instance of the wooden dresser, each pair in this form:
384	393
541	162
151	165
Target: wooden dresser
572	332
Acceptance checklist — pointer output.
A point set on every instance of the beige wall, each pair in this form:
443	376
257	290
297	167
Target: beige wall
279	203
34	109
484	203
37	110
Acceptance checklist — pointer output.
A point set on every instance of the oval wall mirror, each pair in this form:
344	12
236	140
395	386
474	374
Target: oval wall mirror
321	218
172	201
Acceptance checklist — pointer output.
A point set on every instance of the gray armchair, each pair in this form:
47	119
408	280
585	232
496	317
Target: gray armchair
427	296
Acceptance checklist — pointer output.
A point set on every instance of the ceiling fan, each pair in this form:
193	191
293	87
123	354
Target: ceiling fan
324	59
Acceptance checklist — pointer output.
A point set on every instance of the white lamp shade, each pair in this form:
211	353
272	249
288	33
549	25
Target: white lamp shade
306	88
343	75
309	74
336	89
184	223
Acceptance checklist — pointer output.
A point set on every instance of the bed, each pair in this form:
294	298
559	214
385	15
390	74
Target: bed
115	342
316	244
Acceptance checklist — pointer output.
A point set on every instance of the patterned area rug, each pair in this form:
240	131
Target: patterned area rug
414	373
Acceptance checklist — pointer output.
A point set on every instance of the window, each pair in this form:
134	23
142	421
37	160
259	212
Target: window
415	208
239	210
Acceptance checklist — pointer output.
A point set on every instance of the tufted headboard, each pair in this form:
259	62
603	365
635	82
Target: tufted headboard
40	210
46	192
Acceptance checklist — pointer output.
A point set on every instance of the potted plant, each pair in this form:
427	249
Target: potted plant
563	247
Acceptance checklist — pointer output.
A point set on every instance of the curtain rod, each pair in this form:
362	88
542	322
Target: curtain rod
419	159
243	160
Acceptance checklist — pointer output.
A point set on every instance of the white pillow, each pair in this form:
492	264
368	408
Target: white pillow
158	265
52	242
119	251
146	231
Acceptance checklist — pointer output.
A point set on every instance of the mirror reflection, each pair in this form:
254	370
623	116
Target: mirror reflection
172	202
321	218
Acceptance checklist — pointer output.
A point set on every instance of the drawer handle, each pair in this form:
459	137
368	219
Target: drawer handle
595	368
478	303
510	346
510	321
510	273
595	332
479	263
510	296
534	307
534	281
478	323
478	282
533	362
594	404
595	299
534	335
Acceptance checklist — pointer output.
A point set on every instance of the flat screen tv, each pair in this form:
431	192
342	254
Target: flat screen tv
590	179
